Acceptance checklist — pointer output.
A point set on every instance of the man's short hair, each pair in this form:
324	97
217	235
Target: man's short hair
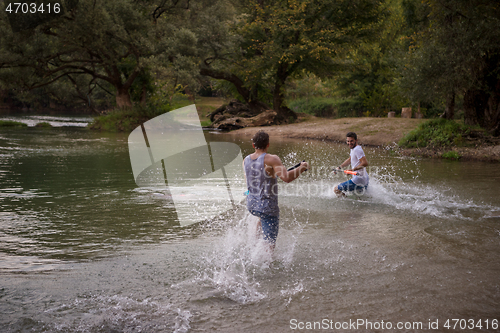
260	140
352	135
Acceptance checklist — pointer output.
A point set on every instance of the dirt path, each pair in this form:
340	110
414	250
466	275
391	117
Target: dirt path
370	131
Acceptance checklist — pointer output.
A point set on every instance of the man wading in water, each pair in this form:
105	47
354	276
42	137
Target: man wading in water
261	170
359	163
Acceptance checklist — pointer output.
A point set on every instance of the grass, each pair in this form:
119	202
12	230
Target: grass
451	155
11	123
206	105
127	119
436	133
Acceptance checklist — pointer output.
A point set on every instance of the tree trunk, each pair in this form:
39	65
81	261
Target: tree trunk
236	81
493	110
250	97
474	107
123	98
449	111
285	114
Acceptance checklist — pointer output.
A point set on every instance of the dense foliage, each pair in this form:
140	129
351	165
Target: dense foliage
455	58
326	57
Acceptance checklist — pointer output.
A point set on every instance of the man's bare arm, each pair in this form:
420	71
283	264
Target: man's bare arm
346	162
280	169
363	162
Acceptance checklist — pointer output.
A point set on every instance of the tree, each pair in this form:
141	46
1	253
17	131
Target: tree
219	49
373	77
458	53
286	38
108	41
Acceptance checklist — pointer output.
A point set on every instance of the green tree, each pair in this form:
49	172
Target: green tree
110	42
285	39
374	75
458	55
219	51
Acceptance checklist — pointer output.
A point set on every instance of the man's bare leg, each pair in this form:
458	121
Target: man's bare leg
338	192
258	234
258	229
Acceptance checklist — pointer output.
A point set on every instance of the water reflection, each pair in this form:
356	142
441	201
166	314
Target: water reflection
69	194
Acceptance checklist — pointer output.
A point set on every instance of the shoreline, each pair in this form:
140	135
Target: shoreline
374	132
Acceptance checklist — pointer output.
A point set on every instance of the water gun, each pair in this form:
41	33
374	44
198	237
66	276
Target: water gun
295	166
347	172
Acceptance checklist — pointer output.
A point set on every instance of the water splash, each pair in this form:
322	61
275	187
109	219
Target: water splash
386	189
99	313
228	271
240	260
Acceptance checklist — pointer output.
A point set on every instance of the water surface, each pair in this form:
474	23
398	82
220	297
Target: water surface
83	249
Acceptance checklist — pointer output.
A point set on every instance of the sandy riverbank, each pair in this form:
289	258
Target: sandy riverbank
382	132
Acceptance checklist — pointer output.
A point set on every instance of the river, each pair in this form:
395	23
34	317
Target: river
84	249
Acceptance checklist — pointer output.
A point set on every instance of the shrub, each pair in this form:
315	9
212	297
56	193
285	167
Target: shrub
10	123
435	133
451	155
126	119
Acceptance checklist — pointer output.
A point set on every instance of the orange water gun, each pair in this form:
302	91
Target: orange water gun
347	172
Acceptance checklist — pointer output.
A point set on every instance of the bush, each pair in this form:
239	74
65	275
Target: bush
435	133
328	107
10	123
451	155
126	119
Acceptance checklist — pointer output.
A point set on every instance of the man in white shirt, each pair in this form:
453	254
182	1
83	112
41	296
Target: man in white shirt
358	162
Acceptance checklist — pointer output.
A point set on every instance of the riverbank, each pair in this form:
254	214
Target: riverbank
376	132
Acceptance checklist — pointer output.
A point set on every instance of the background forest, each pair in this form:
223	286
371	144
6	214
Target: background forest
330	58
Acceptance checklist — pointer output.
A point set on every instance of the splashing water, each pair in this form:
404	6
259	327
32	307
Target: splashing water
238	260
420	198
415	197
